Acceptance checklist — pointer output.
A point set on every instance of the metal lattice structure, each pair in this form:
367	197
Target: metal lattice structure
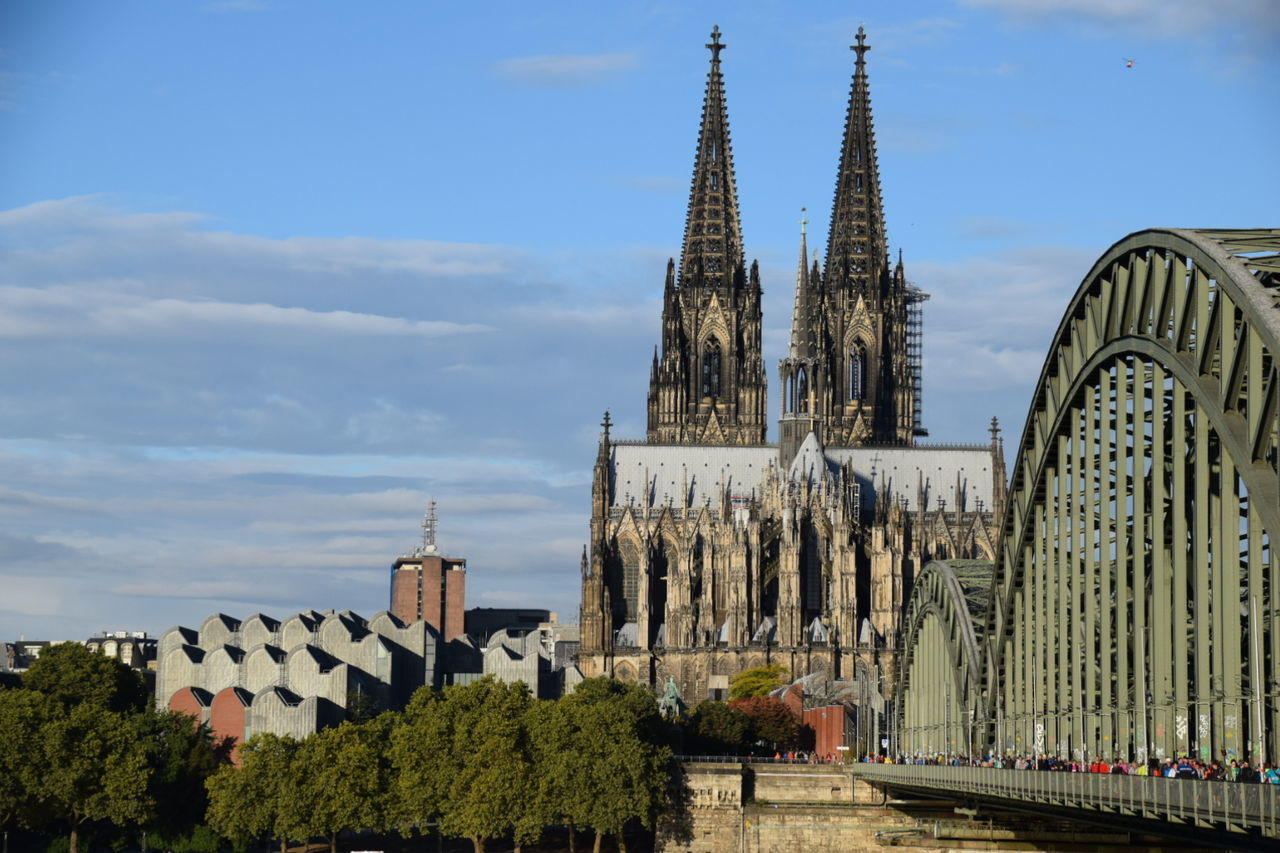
1133	608
941	667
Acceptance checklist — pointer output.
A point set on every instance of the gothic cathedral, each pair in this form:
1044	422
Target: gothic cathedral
712	551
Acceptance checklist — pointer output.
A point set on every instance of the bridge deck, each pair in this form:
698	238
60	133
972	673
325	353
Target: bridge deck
1229	806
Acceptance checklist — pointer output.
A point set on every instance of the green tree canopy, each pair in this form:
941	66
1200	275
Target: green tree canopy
263	796
757	681
618	767
71	674
347	778
718	729
95	768
557	799
461	759
181	757
23	717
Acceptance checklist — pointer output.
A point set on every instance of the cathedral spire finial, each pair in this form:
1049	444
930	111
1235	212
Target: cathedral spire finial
714	45
861	47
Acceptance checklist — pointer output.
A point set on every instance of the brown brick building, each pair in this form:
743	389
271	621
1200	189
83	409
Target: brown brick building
427	586
430	587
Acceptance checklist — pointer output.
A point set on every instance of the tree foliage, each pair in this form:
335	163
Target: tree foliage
23	717
718	729
66	767
771	720
619	769
757	681
479	761
347	778
263	796
181	757
72	675
458	758
95	769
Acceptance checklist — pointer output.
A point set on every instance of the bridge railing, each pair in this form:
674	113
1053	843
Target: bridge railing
1234	806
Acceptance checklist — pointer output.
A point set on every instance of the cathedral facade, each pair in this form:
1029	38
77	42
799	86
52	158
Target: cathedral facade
713	551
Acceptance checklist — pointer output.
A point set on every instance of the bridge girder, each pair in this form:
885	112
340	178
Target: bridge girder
1134	604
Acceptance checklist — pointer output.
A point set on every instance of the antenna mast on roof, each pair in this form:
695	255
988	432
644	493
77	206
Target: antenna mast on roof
429	529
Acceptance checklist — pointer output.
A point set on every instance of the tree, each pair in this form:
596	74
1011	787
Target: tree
347	778
757	681
72	675
618	768
23	716
181	755
262	796
456	755
556	798
718	729
770	720
94	769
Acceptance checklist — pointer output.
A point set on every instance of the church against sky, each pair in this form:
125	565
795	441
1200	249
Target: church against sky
712	551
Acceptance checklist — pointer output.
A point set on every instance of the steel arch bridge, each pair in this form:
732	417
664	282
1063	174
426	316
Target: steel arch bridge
1133	605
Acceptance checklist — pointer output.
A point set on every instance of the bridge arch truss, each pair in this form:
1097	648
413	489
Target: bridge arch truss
941	666
1134	607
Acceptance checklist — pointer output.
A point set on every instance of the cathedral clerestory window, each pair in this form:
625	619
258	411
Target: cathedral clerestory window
711	369
630	578
857	373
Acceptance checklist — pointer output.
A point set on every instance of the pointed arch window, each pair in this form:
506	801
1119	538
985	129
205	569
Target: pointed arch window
789	398
711	369
630	578
857	373
802	391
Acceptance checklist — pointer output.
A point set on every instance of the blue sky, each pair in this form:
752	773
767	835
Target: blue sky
272	273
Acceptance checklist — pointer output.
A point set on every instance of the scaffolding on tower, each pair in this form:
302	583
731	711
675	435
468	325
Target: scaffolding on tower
915	344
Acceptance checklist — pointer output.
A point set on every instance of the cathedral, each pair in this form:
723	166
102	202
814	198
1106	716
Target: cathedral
713	551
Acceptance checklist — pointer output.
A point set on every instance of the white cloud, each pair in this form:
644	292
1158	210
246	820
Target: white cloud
565	71
84	310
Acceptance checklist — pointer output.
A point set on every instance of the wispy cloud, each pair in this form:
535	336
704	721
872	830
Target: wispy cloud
272	414
81	311
565	71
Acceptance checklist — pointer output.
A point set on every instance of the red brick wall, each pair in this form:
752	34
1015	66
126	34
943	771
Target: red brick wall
404	593
226	718
186	702
432	569
455	594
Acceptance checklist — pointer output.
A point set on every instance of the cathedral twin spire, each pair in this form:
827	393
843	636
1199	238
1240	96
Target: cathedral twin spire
847	374
856	248
713	232
708	383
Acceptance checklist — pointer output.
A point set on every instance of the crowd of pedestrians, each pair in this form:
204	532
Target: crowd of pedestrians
1182	768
